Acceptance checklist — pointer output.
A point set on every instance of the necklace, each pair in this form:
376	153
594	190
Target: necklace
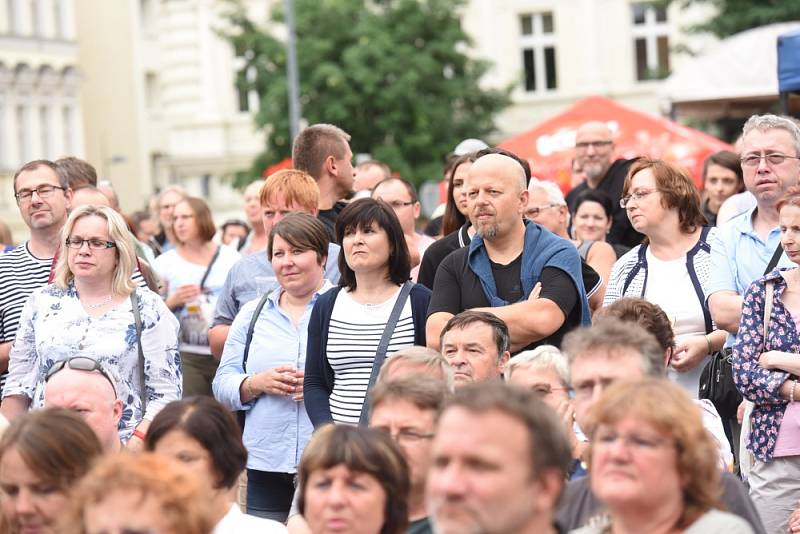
100	304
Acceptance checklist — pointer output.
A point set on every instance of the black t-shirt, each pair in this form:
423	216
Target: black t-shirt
328	217
438	251
621	230
457	288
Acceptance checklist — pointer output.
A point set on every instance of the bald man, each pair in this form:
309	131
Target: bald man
92	396
594	147
505	260
89	195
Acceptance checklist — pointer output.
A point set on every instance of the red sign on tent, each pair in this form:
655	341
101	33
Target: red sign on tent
549	147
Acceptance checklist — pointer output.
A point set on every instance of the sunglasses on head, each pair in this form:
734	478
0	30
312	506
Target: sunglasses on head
80	363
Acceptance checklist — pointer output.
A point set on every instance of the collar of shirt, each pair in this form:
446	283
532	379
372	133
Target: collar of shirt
275	295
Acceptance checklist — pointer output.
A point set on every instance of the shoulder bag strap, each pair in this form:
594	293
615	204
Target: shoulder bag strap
773	261
208	269
137	320
770	290
383	345
640	261
251	328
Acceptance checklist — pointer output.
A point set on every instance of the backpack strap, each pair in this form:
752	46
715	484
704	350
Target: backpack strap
251	328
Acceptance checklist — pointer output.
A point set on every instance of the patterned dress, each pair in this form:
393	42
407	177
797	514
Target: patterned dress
54	326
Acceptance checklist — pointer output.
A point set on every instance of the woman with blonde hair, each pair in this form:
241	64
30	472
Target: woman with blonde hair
653	464
93	312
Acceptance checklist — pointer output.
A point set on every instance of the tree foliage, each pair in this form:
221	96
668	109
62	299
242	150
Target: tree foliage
392	73
734	16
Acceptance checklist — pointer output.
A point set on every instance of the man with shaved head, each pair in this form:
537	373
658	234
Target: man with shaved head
594	146
93	396
504	262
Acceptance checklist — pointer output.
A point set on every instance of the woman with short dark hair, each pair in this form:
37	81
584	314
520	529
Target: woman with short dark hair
673	266
342	457
193	274
202	434
349	322
270	334
722	178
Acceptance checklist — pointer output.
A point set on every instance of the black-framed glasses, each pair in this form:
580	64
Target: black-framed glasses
636	195
754	160
94	244
80	363
44	191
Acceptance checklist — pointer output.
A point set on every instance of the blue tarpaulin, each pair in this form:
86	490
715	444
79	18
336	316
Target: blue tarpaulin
789	62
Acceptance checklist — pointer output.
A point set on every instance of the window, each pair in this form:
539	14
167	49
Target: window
650	41
44	130
36	19
58	22
23	133
67	125
11	13
538	51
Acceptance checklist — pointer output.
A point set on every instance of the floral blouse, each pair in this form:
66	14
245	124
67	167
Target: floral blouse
755	383
54	326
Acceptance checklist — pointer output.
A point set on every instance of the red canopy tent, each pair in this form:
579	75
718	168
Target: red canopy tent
549	147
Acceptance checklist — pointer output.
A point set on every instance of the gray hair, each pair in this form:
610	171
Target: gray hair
554	194
610	336
766	122
422	356
543	357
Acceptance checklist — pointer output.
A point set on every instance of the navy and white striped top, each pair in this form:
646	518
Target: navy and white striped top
353	336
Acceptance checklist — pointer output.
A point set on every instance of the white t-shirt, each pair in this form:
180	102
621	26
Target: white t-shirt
669	286
176	272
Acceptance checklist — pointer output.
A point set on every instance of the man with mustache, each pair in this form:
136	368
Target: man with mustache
504	262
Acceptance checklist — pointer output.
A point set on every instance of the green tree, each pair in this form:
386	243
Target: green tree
734	16
392	73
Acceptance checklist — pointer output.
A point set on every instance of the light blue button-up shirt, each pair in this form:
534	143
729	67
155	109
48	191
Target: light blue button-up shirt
739	256
277	428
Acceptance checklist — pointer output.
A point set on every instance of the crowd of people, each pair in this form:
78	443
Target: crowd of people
620	359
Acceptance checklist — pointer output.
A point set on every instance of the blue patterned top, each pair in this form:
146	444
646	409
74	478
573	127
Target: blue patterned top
55	326
757	384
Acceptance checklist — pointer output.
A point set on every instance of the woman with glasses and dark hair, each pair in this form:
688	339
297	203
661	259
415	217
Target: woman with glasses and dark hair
94	309
374	303
194	273
200	433
673	266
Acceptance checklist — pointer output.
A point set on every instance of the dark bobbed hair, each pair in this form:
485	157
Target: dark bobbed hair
462	320
677	190
729	160
202	217
454	219
362	213
56	444
303	231
210	424
595	195
363	450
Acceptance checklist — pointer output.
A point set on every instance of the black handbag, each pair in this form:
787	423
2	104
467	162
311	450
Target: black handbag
716	384
716	380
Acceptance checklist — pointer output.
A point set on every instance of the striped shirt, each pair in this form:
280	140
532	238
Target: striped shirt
353	336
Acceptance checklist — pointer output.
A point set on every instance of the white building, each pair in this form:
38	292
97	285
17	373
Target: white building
40	108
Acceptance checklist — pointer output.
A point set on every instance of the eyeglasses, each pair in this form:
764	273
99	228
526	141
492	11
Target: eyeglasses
398	204
754	160
408	436
80	363
636	195
44	191
94	244
543	390
536	210
595	144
